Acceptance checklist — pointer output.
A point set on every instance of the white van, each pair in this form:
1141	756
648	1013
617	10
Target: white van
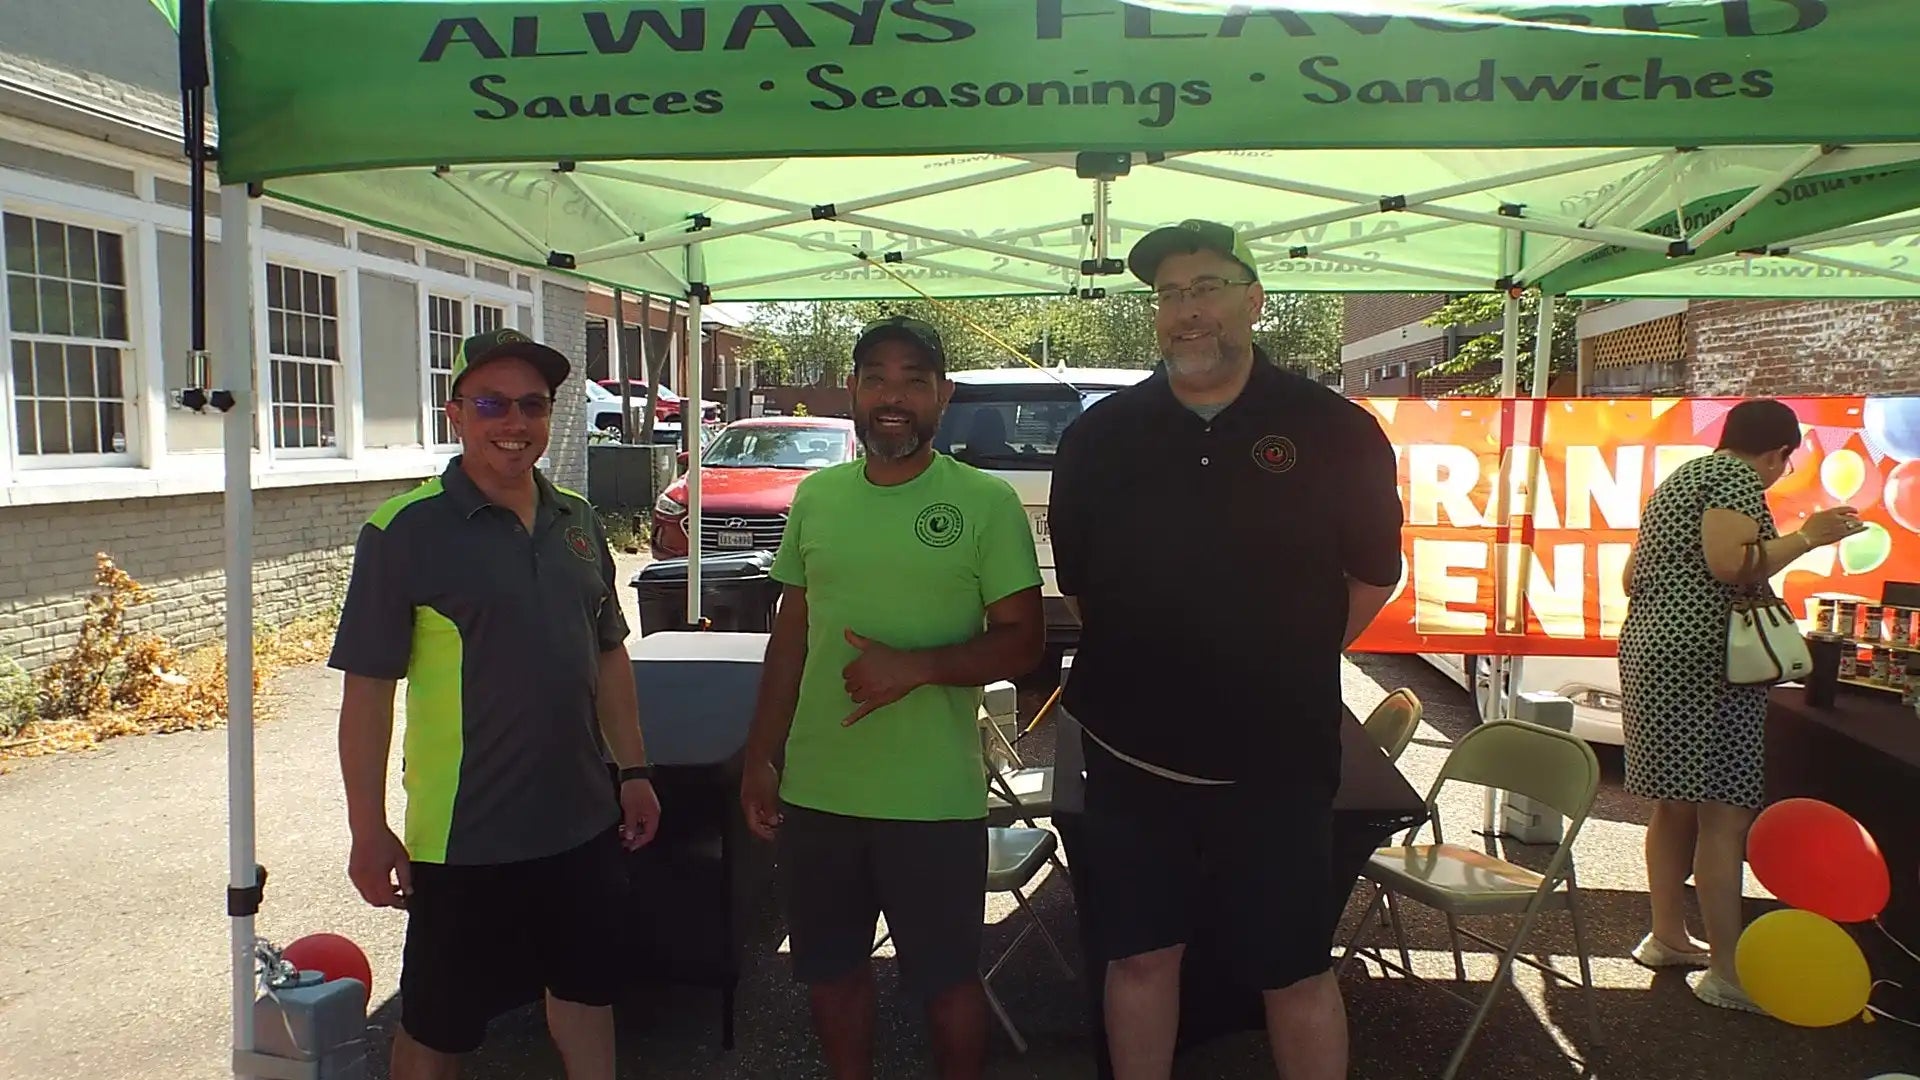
1008	421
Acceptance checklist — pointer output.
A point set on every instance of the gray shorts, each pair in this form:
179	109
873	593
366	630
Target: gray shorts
928	877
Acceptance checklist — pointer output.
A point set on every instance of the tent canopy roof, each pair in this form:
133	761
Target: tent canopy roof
970	147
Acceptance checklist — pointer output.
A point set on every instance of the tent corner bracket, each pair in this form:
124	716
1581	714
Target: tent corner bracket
244	903
1391	203
825	212
561	260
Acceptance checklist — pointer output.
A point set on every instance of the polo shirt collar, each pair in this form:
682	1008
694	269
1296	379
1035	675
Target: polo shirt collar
1263	381
470	500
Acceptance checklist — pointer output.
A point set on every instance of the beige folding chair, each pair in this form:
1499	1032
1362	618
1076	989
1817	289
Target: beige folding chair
1549	766
1392	723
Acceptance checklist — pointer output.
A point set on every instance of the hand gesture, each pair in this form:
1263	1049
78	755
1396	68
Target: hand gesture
639	814
880	676
760	798
378	867
1831	525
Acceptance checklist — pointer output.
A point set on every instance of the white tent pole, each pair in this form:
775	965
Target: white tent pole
1542	350
1857	268
692	403
236	372
459	184
1780	179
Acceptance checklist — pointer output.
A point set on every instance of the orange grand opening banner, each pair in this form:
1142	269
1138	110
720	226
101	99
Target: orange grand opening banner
1520	513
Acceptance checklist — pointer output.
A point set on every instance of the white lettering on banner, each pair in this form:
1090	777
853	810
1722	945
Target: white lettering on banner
1615	491
1444	485
1450	598
1435	590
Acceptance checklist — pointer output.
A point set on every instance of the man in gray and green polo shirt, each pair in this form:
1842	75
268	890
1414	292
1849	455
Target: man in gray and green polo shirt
491	591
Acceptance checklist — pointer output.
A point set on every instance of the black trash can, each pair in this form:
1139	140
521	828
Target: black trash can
737	591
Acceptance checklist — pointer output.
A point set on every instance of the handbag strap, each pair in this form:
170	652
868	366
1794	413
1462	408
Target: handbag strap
1752	581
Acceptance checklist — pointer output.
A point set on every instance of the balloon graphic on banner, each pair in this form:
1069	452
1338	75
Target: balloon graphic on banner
1814	855
1842	474
1866	550
1903	495
1803	969
1894	423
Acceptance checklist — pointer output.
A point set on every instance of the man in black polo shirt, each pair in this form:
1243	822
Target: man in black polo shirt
1207	681
491	591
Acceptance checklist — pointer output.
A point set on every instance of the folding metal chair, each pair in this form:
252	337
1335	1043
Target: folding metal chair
1391	724
1014	856
1549	766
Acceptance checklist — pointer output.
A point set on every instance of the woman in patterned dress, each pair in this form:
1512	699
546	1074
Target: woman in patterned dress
1694	740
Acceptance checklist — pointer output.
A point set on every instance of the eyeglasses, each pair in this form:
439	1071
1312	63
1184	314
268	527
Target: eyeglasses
1204	290
532	406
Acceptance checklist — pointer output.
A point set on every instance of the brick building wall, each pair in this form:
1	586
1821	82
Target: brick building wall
302	541
1364	377
1756	348
1367	314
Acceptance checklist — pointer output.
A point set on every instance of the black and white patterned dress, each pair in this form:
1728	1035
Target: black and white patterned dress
1691	735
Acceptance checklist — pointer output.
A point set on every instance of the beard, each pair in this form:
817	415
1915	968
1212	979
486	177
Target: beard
889	444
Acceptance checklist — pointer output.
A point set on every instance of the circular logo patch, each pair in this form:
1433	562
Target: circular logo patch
939	525
579	544
1275	453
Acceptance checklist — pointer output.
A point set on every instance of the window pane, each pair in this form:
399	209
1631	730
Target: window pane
113	426
113	267
19	243
113	314
86	429
332	328
23	304
324	417
23	368
276	333
53	428
106	366
273	286
309	291
55	316
326	376
83	266
28	439
51	240
50	371
310	340
80	371
307	392
296	336
329	297
86	310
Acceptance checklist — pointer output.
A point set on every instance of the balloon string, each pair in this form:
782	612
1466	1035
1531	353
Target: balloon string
1895	940
1882	1013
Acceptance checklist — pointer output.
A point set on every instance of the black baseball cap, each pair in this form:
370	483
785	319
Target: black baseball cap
1191	235
915	332
505	342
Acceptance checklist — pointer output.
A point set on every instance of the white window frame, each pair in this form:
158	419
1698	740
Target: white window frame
133	349
471	294
345	434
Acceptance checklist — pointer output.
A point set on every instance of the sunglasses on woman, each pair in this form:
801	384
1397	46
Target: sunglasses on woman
532	406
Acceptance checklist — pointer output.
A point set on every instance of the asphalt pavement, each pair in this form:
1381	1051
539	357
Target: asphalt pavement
113	942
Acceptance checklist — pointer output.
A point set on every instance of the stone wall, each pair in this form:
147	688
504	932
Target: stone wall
1765	348
303	549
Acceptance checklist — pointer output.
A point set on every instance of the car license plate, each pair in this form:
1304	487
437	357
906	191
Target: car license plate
734	539
1041	532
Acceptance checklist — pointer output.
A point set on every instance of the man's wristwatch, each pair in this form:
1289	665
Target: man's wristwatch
636	772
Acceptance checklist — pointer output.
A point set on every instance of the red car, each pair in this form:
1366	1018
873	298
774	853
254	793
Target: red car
666	407
747	479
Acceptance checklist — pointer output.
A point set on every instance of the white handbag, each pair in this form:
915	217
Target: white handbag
1764	643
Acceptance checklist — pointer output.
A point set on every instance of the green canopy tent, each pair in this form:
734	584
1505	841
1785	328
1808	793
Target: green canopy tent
965	147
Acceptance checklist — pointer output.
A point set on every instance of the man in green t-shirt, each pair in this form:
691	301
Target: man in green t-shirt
910	582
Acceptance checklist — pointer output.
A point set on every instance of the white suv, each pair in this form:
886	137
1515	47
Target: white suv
1008	421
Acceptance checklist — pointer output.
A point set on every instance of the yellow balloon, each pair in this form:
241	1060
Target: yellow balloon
1842	473
1803	968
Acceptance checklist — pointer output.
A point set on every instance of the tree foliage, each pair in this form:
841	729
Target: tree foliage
810	344
1483	353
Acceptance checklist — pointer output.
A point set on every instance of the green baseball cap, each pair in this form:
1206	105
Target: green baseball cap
916	332
507	342
1186	238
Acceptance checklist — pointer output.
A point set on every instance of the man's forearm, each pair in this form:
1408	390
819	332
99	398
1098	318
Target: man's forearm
1364	602
366	737
1007	651
618	709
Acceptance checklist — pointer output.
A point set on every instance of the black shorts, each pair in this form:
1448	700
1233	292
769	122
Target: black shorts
1250	862
928	877
485	939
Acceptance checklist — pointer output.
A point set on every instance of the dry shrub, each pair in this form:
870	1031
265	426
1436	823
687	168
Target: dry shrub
115	682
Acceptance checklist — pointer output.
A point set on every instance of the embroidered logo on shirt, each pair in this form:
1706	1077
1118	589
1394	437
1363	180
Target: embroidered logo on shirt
939	525
579	544
1275	453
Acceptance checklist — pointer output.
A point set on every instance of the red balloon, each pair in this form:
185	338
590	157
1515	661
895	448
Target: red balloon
332	956
1816	857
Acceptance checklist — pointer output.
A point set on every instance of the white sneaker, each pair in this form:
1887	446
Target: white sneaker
1655	953
1718	992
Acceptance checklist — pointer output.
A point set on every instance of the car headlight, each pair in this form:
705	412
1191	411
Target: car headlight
665	504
